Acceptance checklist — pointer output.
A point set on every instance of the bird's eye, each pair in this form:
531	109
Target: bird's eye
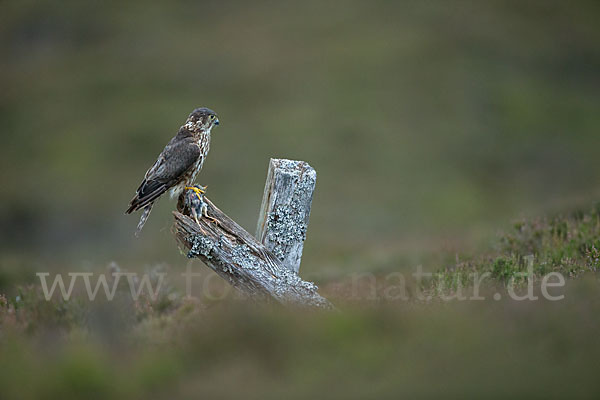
212	117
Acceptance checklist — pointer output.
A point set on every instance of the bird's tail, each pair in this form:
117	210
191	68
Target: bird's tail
143	219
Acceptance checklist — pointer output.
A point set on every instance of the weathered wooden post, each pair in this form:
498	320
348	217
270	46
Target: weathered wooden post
285	210
242	260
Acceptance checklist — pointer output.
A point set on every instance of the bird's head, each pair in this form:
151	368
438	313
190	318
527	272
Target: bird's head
201	120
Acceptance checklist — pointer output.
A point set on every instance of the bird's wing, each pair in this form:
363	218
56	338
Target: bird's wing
174	161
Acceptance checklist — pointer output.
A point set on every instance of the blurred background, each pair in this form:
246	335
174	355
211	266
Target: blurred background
433	125
430	123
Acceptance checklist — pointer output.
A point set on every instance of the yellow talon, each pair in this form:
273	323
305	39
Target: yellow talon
195	189
199	192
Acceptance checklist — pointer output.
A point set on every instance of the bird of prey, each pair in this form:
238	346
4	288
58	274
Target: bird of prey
177	165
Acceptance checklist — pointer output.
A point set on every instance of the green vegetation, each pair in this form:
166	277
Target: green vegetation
430	124
569	245
459	349
442	121
175	346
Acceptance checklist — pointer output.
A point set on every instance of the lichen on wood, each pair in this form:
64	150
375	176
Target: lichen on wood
241	260
285	210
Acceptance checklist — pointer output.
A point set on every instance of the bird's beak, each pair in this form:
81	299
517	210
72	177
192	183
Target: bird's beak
217	121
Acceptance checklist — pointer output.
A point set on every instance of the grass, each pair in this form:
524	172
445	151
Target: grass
176	347
567	244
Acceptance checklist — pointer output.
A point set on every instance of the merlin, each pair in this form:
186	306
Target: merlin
177	165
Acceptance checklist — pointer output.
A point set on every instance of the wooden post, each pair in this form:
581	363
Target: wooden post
239	258
285	210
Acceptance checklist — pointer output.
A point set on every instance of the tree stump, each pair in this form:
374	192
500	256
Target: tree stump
247	264
285	210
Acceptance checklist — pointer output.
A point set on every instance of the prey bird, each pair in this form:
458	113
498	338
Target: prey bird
177	165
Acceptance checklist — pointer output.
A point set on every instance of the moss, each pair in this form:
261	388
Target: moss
569	244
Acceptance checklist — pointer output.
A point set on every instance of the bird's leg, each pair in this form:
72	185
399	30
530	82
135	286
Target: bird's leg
204	212
195	214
